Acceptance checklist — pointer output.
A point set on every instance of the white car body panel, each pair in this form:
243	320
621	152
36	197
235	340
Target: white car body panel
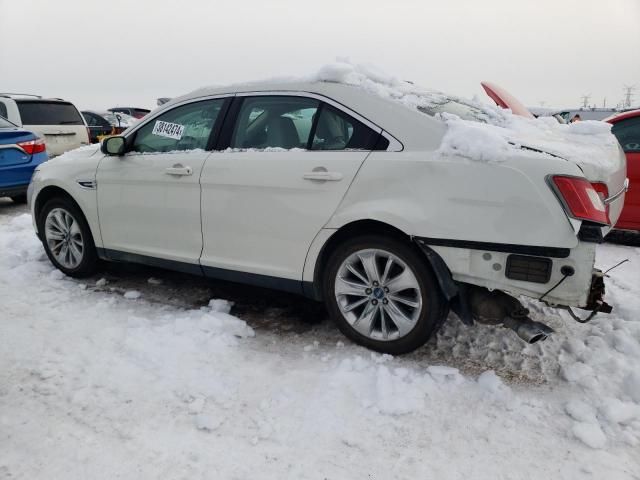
253	212
259	213
147	211
67	173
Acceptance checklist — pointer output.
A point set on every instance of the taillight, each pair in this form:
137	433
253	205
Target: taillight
33	146
601	189
581	200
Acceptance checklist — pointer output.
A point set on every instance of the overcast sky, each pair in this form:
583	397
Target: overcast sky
100	54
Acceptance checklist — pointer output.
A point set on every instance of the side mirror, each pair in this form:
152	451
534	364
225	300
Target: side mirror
113	146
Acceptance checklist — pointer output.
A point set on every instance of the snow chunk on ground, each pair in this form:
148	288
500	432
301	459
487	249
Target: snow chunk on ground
132	294
492	383
219	305
581	411
590	434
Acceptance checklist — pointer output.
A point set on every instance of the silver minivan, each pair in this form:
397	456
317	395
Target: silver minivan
57	121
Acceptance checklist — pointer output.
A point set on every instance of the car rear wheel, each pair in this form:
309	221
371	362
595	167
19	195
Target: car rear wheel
383	294
67	238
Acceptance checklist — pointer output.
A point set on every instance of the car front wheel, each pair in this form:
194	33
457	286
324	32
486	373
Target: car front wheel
66	238
383	294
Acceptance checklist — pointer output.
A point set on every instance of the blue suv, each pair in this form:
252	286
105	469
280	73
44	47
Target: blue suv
21	152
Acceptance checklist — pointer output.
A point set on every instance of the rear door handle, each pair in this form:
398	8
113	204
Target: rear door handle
179	170
323	176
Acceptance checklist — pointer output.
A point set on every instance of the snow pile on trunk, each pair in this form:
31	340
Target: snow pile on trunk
480	131
93	385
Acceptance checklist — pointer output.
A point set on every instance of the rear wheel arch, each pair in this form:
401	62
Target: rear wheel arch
373	227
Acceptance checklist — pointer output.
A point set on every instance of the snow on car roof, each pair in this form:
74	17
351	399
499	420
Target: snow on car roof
476	130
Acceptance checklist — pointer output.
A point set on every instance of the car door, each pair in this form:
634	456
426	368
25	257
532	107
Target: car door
149	198
287	161
627	132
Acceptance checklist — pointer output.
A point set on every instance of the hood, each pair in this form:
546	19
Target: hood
77	154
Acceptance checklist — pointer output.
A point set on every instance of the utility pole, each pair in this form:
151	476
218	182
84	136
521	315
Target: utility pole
628	95
585	100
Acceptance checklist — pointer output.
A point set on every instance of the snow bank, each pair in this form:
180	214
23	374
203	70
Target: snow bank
93	385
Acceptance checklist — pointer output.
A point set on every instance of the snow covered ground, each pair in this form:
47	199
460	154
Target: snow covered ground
99	382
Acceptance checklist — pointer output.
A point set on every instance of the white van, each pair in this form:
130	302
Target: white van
57	121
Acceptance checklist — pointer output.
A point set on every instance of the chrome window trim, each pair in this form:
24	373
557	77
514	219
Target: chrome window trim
394	144
315	96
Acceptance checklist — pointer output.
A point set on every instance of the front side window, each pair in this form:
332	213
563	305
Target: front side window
187	127
274	122
628	134
335	130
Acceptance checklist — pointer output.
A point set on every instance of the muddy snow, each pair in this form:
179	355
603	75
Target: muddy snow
113	378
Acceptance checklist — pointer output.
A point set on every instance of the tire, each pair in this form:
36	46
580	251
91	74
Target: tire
407	318
19	198
61	224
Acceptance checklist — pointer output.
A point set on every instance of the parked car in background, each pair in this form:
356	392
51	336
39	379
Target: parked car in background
21	151
584	113
626	128
56	121
132	111
102	124
380	205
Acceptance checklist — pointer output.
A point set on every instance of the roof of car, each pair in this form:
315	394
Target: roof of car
398	120
623	116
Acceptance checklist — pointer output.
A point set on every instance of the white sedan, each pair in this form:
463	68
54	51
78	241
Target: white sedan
391	203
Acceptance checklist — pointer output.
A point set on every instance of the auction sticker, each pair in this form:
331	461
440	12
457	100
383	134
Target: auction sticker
169	130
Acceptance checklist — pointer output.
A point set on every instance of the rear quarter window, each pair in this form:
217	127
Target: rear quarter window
3	110
628	134
49	113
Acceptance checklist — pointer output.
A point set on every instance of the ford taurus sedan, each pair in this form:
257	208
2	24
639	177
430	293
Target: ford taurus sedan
343	194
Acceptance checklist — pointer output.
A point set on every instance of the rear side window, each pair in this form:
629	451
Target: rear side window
628	134
274	122
48	113
3	110
335	130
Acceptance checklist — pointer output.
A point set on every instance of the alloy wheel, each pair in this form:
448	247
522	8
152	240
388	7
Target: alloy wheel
64	238
378	294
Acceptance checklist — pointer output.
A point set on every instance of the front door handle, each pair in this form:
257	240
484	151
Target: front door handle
178	169
323	176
